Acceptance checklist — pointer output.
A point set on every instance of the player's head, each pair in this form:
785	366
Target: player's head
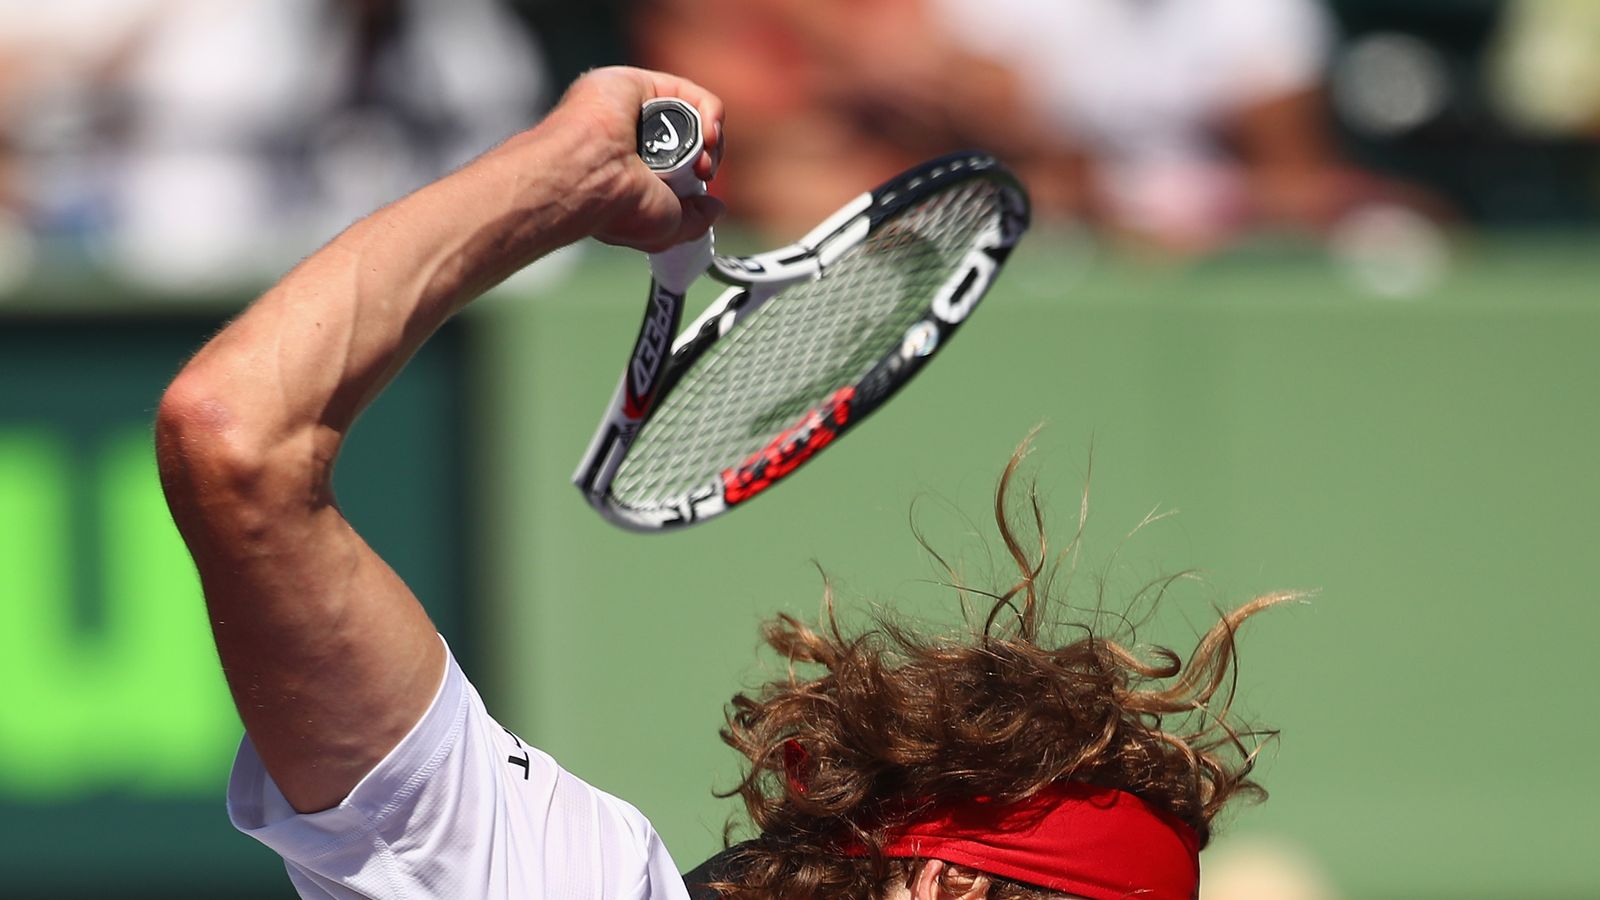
1030	760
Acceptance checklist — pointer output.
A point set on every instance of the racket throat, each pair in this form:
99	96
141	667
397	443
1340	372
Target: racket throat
642	382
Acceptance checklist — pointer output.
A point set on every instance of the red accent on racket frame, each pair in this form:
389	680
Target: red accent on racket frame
789	449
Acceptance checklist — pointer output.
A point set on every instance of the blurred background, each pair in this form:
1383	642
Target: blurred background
1321	275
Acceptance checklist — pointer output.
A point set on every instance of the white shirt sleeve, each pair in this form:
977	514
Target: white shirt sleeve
1271	48
461	808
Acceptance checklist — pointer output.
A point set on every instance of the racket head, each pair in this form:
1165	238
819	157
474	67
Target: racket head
809	340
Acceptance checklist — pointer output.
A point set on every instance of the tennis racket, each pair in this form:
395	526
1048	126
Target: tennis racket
806	341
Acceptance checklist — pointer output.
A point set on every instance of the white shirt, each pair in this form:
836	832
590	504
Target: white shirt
1143	85
1130	75
460	809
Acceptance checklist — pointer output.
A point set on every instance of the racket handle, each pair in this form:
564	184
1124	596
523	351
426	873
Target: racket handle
670	141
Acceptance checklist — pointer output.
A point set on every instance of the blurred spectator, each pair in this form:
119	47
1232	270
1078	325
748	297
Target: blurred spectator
1547	67
1181	124
1196	120
215	139
54	57
828	97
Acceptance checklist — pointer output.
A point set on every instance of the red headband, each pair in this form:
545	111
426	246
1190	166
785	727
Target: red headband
1094	842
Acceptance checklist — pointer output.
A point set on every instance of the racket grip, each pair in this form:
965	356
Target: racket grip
670	141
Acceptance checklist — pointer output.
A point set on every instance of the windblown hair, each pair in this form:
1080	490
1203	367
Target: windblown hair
892	720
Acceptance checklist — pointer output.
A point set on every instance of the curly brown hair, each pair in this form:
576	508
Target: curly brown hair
894	718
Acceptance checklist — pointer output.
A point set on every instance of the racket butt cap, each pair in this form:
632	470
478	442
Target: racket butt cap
670	136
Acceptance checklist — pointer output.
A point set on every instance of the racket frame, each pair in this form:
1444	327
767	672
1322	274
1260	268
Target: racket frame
654	366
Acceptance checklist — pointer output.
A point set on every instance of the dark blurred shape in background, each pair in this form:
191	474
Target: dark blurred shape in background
1484	101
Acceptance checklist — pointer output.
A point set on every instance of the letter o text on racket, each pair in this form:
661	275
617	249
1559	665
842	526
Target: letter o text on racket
961	292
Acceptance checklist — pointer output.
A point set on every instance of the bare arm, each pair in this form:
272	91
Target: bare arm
1295	173
329	656
1297	176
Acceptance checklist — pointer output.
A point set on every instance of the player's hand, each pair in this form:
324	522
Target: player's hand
634	208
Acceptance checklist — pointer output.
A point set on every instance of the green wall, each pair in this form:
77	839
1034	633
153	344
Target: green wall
1426	466
116	731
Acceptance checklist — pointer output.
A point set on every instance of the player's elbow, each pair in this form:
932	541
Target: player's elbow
198	448
218	466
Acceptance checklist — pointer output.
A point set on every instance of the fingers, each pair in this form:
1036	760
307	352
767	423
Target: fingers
699	214
705	168
647	215
630	88
711	111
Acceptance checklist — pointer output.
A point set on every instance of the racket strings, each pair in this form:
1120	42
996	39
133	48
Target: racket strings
803	345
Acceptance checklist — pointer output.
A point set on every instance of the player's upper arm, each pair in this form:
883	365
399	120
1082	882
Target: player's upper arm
329	656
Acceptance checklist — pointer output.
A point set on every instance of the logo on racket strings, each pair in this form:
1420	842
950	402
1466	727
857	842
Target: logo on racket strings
650	351
788	450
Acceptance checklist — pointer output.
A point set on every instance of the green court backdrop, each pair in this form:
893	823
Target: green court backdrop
1427	466
116	731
